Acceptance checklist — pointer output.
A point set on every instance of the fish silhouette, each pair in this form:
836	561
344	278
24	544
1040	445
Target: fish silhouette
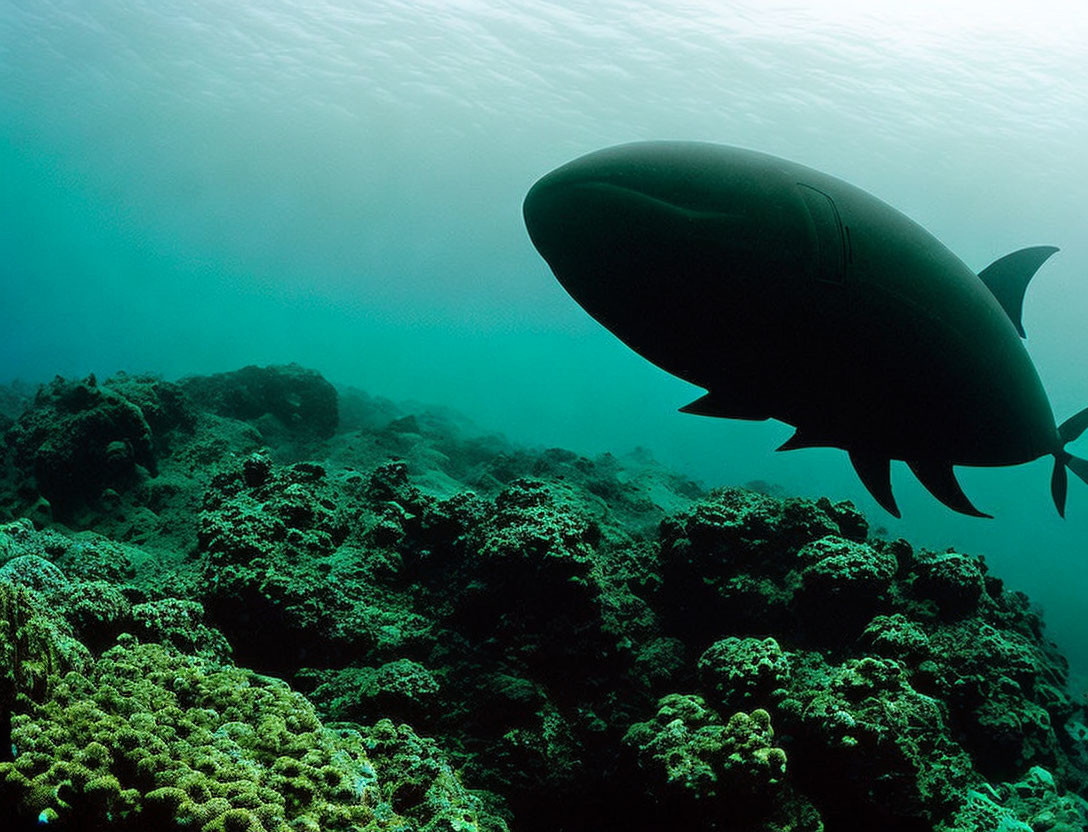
789	294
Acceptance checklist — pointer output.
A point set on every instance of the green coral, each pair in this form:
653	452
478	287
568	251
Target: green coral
954	581
36	646
287	573
416	782
151	738
728	562
402	688
845	571
739	671
696	755
180	624
863	716
79	439
896	637
531	629
1032	803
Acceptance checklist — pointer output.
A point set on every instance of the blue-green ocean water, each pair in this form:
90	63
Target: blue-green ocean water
188	187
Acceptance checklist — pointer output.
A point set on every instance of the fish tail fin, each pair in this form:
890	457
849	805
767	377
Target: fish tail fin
1068	430
1059	479
1059	482
1078	466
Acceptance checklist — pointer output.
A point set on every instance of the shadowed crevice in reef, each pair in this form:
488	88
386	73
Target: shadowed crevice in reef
251	601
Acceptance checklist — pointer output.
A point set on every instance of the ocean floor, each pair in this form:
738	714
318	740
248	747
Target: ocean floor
254	601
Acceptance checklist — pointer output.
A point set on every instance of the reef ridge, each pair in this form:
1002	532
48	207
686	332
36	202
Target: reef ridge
256	601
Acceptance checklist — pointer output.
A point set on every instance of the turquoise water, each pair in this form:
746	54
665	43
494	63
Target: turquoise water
188	187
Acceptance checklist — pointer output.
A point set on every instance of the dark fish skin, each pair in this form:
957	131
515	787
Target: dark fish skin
789	294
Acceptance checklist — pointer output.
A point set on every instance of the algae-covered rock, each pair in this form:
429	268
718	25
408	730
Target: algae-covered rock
180	624
279	400
534	559
739	672
589	641
843	582
35	573
79	439
19	538
292	577
735	528
150	738
415	781
999	685
163	405
845	571
94	557
403	689
863	716
36	647
1032	803
953	580
262	532
730	561
702	758
896	636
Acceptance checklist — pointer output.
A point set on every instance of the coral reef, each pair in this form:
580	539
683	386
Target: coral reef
150	738
696	754
279	607
79	441
280	401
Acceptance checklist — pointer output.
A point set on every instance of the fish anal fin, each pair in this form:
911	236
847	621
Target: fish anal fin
940	481
713	404
875	473
1007	279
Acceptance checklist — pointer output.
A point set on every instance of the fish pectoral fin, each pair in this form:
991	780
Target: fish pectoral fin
1007	279
940	481
714	405
800	439
875	473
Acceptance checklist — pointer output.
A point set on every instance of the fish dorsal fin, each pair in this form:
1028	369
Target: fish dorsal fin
1007	279
875	473
940	481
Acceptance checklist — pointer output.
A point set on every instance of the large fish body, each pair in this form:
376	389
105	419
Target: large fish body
787	293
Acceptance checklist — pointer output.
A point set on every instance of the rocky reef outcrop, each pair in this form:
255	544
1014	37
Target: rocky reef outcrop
292	608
